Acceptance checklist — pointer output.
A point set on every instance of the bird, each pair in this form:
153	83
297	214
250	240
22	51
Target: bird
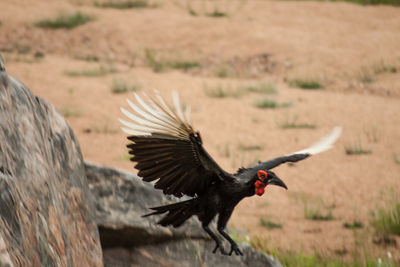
169	152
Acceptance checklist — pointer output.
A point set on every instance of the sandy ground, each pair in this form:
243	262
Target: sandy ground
351	49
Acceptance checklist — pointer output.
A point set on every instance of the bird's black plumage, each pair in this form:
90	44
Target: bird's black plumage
167	150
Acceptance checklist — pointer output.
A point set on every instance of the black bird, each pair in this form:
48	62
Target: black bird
168	150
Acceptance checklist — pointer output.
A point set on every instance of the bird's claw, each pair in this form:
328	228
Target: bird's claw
235	248
223	252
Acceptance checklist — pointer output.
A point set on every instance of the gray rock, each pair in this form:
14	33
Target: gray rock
45	204
130	240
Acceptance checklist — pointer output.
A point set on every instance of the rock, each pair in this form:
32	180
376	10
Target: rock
130	240
46	208
121	200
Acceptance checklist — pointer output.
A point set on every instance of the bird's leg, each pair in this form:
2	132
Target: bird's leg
217	241
222	221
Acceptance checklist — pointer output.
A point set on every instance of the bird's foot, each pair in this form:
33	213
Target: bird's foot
235	248
223	252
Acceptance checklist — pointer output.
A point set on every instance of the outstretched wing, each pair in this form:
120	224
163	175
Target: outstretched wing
322	145
166	147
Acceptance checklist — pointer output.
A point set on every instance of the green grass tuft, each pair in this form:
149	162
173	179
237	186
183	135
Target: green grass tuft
396	159
102	71
267	103
221	92
353	225
261	88
375	2
217	14
300	259
121	86
306	84
128	4
269	224
383	67
183	65
365	76
224	71
65	21
164	65
357	149
365	2
312	211
249	147
291	123
315	215
88	58
387	221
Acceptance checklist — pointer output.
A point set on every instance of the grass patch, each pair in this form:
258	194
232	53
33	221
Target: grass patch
387	221
300	259
372	134
353	225
183	65
312	210
88	58
64	21
315	215
121	86
101	71
221	92
216	14
249	148
366	2
306	84
269	224
239	236
268	103
128	4
365	75
21	48
375	2
396	159
357	149
291	123
163	65
224	72
261	88
382	67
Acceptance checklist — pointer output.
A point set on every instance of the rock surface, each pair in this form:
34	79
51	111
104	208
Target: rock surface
130	240
45	205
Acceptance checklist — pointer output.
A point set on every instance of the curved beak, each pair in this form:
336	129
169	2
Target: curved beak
276	181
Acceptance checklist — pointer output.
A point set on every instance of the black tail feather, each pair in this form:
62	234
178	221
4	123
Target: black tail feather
178	213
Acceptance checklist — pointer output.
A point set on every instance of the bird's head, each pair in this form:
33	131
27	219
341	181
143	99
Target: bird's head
264	178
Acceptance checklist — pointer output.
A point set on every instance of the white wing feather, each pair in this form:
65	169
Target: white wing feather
323	144
155	116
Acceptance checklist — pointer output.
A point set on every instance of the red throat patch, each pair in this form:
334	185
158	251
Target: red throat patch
260	188
259	184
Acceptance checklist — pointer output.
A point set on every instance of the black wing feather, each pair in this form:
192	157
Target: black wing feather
167	150
182	165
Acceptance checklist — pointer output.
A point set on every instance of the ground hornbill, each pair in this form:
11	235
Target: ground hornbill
167	149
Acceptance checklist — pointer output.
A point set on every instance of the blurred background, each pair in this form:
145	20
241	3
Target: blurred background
264	78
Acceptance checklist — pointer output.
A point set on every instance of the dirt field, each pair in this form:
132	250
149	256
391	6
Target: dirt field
352	50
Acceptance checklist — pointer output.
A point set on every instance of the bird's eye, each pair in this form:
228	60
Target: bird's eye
262	176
